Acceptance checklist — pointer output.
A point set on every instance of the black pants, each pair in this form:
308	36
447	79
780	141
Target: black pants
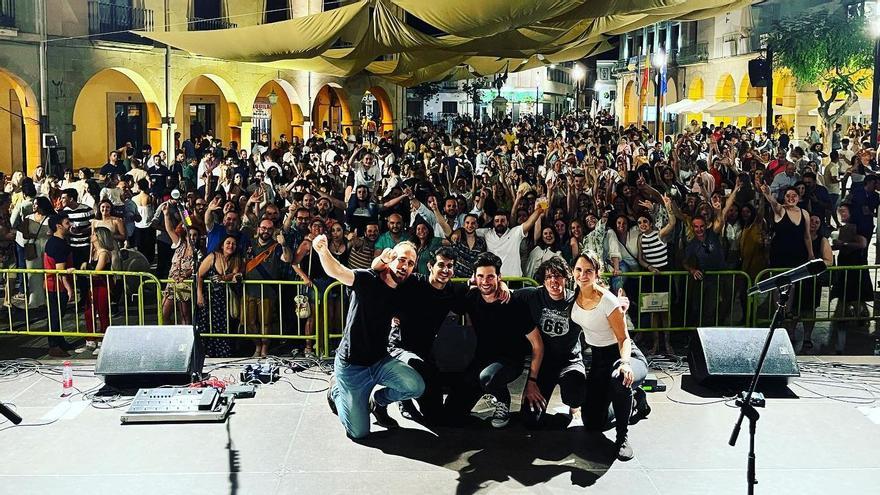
572	386
163	264
605	386
145	242
481	378
56	306
431	400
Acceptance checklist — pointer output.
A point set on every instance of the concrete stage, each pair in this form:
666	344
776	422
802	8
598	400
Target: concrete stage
287	441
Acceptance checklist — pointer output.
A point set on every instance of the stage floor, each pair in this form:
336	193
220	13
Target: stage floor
287	441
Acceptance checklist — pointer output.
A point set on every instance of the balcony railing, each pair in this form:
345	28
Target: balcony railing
734	44
7	13
693	54
200	24
112	22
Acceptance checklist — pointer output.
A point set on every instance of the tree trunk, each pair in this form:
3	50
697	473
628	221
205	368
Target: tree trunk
829	119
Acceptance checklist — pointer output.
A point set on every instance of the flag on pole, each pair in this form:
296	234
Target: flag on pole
643	91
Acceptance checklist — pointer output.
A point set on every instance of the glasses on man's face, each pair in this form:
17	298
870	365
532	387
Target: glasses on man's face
302	219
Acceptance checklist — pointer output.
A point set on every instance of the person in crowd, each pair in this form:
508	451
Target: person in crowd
104	218
36	232
187	243
59	287
105	257
266	263
145	233
222	268
850	288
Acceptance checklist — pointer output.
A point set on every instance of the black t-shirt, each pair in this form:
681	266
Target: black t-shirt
553	319
159	176
109	169
373	304
422	313
500	328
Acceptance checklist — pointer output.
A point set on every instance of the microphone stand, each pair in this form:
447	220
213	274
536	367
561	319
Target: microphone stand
747	405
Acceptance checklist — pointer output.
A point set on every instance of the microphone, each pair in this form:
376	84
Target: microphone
807	270
9	414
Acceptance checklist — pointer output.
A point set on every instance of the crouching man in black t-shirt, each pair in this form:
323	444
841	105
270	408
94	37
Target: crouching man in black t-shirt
501	348
362	359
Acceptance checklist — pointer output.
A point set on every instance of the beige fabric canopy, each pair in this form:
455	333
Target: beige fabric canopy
482	36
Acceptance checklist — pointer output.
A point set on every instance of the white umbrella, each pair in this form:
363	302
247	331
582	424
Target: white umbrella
680	106
751	108
717	107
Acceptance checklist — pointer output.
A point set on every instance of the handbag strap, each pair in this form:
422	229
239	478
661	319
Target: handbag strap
34	239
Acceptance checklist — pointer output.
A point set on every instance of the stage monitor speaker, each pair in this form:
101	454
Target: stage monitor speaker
149	356
731	354
759	73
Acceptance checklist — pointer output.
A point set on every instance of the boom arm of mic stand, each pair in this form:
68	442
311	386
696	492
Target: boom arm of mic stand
746	409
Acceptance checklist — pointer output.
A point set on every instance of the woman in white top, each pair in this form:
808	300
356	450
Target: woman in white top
618	366
623	248
144	232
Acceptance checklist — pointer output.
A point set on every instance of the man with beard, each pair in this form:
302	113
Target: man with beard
501	348
393	236
505	242
362	250
362	360
267	261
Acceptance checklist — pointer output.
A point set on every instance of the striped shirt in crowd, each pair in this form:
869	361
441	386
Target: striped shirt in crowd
654	250
363	257
80	222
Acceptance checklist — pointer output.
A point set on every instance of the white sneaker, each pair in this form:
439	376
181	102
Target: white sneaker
90	346
97	350
502	415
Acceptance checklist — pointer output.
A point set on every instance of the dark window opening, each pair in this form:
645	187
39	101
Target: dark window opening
277	10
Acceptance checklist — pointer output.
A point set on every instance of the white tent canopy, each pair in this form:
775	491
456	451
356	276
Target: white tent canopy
717	107
751	108
860	107
688	105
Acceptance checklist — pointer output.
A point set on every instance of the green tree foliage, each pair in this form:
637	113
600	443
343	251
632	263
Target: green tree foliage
473	89
825	49
425	91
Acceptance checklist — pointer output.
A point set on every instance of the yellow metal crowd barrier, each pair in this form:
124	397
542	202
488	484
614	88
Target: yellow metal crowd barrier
675	301
97	300
268	309
841	294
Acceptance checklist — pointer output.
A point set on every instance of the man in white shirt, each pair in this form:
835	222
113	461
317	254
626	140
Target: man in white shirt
504	242
209	163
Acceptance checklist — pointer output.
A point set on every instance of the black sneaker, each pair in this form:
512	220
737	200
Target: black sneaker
624	450
382	417
641	409
408	410
330	401
502	415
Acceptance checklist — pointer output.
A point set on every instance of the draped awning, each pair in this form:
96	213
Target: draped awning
478	36
860	107
688	105
751	108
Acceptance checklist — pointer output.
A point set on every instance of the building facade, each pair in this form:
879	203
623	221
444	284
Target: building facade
548	91
105	86
707	61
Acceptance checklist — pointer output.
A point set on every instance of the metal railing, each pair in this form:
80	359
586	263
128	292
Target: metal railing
96	300
266	309
201	24
846	294
675	301
696	53
7	13
113	22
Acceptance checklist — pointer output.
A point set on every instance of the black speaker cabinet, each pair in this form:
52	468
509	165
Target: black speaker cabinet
149	356
731	354
759	73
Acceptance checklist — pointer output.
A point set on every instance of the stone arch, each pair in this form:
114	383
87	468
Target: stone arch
630	104
696	92
20	126
785	94
386	122
747	92
209	102
286	115
331	108
130	114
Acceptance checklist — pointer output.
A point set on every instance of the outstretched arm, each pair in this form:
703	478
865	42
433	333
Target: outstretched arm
331	265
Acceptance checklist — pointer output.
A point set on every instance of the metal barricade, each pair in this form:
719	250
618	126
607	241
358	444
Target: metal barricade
265	309
841	294
675	301
96	299
338	291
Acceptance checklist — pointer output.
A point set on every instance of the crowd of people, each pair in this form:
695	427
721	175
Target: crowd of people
711	198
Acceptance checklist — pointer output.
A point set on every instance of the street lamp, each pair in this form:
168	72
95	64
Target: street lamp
659	63
577	73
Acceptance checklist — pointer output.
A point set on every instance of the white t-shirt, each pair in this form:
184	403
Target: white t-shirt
594	322
505	247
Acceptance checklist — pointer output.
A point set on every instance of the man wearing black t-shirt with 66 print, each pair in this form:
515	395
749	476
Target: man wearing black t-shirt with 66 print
362	359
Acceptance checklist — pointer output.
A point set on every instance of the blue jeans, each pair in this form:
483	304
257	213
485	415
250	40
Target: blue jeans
354	384
617	282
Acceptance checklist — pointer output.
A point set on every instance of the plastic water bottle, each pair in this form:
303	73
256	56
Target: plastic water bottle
66	379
